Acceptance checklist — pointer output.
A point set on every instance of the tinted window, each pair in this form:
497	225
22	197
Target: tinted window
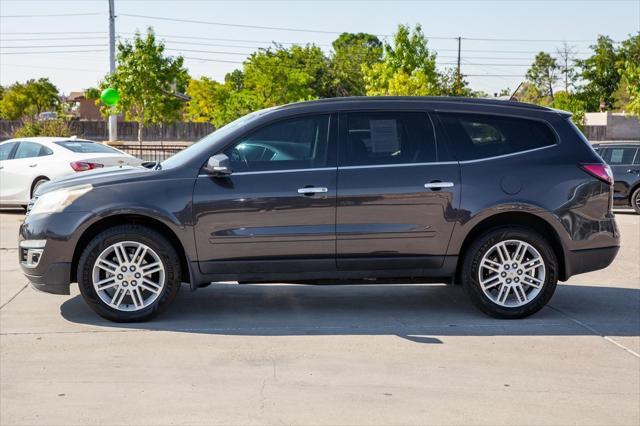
290	144
637	160
477	136
5	150
388	138
28	150
618	156
87	147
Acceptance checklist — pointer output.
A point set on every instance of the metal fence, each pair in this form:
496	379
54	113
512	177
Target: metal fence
149	152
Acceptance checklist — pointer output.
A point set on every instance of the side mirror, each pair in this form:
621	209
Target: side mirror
218	165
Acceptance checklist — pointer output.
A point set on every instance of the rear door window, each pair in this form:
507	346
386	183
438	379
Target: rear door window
30	150
87	147
387	138
5	150
477	136
619	156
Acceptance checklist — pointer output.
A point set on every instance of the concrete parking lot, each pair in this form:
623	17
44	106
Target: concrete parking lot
286	354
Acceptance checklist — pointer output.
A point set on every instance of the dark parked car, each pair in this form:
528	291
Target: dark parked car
505	198
624	160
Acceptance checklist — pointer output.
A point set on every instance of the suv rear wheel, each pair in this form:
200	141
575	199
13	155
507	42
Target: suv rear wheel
129	273
510	272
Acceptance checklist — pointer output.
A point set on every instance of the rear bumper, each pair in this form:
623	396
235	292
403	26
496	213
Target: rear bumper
581	261
55	278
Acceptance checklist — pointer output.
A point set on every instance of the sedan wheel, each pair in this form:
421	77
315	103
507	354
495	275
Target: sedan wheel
635	201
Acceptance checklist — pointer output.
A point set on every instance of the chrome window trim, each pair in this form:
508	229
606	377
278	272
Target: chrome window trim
508	155
261	172
376	166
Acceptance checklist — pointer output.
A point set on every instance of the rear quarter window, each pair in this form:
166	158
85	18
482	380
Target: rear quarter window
478	136
87	147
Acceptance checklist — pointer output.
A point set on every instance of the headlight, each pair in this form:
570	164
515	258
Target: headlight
56	201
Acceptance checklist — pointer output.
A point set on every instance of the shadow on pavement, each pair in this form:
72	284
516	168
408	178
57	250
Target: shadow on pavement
419	313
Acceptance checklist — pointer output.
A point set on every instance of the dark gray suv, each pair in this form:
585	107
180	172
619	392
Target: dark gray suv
505	198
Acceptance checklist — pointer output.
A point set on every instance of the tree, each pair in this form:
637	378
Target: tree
628	93
543	74
281	75
566	56
29	99
601	75
408	68
352	53
207	101
147	81
570	102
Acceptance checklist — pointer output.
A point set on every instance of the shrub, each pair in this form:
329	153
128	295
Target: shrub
43	128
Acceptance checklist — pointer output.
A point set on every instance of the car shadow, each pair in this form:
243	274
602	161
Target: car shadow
420	313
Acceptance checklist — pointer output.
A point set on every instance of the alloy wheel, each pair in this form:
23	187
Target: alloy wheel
128	276
512	273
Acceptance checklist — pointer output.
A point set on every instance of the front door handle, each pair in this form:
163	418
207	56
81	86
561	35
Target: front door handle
633	171
312	190
436	185
33	165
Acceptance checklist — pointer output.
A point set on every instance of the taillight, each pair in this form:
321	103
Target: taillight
81	166
600	171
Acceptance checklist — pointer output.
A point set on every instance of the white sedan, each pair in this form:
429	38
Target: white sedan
26	163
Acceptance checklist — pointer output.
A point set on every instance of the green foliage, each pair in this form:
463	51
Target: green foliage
628	92
352	53
543	74
408	67
601	74
572	103
31	128
279	75
22	101
147	81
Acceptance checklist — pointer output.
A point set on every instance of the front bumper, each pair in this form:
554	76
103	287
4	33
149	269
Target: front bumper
46	248
581	261
55	278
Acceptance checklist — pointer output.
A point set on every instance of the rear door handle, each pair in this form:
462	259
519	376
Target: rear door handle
33	165
312	190
438	185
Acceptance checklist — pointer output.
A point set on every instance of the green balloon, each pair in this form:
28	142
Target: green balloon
110	96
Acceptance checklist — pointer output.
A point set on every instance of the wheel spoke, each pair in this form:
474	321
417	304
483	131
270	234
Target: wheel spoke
105	265
118	295
521	249
136	296
141	256
150	285
121	253
518	290
503	253
533	281
503	294
106	283
491	282
151	268
490	266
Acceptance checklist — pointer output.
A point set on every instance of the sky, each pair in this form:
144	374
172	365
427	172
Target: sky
499	37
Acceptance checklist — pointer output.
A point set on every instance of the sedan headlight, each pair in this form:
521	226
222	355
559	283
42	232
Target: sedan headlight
56	201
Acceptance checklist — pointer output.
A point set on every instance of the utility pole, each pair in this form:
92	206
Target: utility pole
113	119
458	83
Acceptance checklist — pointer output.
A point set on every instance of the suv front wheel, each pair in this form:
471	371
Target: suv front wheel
510	272
129	273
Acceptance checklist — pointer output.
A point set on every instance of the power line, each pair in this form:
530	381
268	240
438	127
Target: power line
51	38
50	15
53	51
52	45
50	32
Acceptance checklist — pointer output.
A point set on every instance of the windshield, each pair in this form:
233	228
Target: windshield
200	146
87	147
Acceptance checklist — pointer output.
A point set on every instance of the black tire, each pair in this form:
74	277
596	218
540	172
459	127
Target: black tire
635	200
137	233
474	255
36	184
